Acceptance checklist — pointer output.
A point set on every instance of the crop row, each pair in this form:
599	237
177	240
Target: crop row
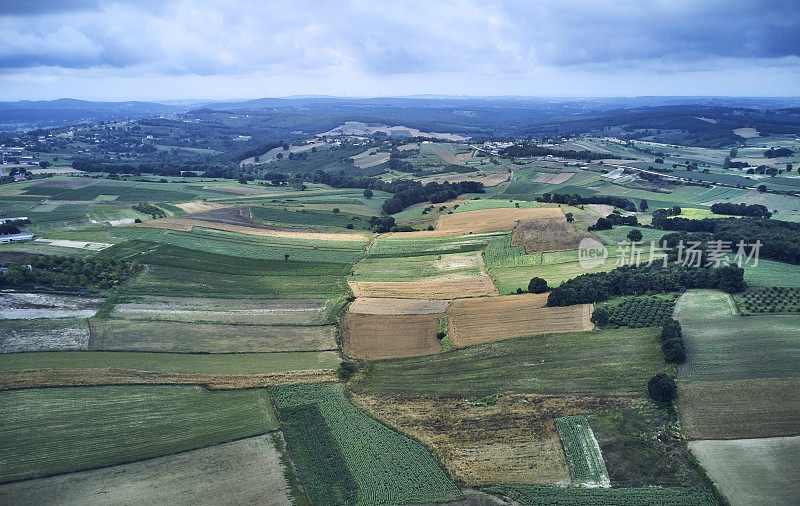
555	496
388	467
586	464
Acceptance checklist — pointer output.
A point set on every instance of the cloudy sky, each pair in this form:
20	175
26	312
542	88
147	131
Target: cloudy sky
178	49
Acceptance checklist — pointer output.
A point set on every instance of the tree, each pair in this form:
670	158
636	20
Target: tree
635	235
569	217
44	165
674	351
733	153
762	188
643	205
242	180
662	389
601	317
335	210
730	278
285	146
286	256
676	210
368	193
537	285
346	370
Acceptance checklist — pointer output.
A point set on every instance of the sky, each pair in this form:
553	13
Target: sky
234	49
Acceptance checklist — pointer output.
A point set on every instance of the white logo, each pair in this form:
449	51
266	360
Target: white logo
591	253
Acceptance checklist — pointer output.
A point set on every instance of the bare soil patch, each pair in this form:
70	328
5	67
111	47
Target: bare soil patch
747	133
548	234
52	334
187	224
476	324
36	305
199	206
554	177
46	378
241	472
514	441
740	409
483	220
389	336
434	289
388	306
753	471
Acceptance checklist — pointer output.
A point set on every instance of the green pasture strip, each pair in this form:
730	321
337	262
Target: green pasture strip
58	430
536	495
309	218
388	467
400	247
609	360
185	363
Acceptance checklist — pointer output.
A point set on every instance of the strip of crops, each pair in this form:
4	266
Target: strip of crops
582	451
388	467
395	247
570	496
500	253
325	474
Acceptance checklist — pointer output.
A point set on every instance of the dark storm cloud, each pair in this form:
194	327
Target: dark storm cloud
208	37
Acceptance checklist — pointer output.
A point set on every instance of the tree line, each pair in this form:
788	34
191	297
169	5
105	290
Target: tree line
67	272
529	149
742	209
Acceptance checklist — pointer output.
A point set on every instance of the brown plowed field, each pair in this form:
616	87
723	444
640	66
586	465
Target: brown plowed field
483	220
434	289
740	409
383	305
476	324
187	224
46	378
554	177
549	234
389	336
514	441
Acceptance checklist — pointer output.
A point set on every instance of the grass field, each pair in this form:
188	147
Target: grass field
430	289
555	496
58	430
397	247
770	273
753	471
185	337
602	361
243	471
239	363
420	267
309	219
722	345
386	467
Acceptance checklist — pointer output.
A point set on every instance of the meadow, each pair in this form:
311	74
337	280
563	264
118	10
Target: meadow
58	430
599	361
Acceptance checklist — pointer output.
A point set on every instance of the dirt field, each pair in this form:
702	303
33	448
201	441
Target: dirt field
387	306
187	224
242	472
475	323
202	309
199	206
180	337
35	305
554	177
435	289
550	234
47	378
389	336
484	220
44	334
514	441
740	409
753	471
365	160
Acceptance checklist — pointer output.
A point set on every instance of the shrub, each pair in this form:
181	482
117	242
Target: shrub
674	351
537	285
346	370
600	317
635	235
662	389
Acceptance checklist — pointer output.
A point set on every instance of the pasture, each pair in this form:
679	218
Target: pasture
606	361
243	471
383	466
753	471
58	430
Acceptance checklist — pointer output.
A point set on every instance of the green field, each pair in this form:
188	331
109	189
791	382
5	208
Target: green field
306	218
555	496
599	361
228	363
58	430
420	267
385	467
724	346
475	205
771	273
398	247
179	282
